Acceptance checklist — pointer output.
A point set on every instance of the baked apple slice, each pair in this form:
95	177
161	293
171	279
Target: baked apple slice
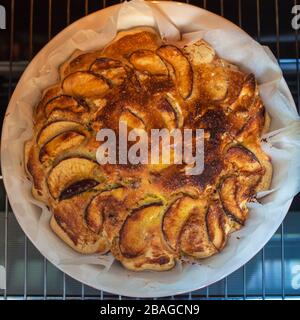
242	160
234	200
141	245
65	103
246	107
111	69
148	62
85	84
69	224
194	239
251	131
79	62
181	66
215	221
73	176
35	170
165	114
247	94
60	143
48	95
132	118
142	225
107	211
53	129
235	192
238	189
199	52
175	105
94	215
175	218
194	228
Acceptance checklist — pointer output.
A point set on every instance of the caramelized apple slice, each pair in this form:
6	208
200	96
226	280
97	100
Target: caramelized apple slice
243	160
48	95
94	215
236	191
59	144
167	113
174	104
182	68
77	188
247	95
215	221
149	62
110	69
233	200
174	219
252	130
53	129
199	52
107	212
64	102
85	84
141	245
69	224
73	176
132	118
194	239
35	170
247	106
104	63
141	226
79	63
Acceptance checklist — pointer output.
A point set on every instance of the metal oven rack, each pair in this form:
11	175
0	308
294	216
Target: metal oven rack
272	273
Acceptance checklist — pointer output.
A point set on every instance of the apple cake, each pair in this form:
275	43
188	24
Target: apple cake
148	216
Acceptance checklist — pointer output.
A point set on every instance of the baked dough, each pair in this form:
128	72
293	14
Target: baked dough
148	216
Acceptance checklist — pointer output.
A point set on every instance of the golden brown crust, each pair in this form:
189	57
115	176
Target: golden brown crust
99	246
148	216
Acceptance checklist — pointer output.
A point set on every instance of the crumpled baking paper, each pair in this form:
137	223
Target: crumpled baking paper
282	144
